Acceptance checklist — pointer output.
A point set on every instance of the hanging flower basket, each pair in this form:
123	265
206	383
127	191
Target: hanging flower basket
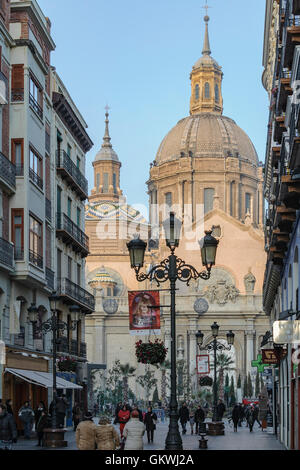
66	364
150	353
206	381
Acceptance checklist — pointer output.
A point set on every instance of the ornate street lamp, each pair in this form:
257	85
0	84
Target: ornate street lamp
54	437
173	269
215	428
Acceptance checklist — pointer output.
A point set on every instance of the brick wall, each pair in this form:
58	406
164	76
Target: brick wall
5	113
5	12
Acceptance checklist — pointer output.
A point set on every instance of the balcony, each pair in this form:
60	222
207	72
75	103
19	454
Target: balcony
71	234
35	178
284	89
72	293
48	211
35	106
67	169
74	349
17	94
6	255
36	259
296	7
7	175
50	278
279	127
291	38
18	253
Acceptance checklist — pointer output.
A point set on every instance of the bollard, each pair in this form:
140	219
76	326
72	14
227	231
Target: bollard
203	442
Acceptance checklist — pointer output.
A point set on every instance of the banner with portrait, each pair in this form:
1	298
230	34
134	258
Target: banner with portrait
144	312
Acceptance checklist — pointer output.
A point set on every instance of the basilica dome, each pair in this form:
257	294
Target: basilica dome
206	135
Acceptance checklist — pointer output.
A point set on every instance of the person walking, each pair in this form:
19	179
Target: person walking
86	433
107	437
250	418
118	408
134	431
150	420
26	415
255	415
192	421
61	409
123	417
184	417
242	414
38	412
76	415
41	424
199	418
235	416
220	410
9	409
141	417
8	430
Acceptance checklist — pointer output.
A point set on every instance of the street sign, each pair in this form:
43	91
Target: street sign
269	356
202	361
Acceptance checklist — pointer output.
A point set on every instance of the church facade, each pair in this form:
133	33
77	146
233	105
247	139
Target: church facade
207	171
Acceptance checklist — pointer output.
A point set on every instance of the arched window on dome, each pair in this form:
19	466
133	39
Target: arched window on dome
115	183
232	198
105	182
197	92
97	182
206	90
217	94
208	199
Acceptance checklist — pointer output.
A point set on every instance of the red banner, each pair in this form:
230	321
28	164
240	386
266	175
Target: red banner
144	312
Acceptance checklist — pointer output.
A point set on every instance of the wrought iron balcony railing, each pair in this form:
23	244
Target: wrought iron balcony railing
70	232
35	178
36	259
73	293
35	105
6	253
67	168
7	172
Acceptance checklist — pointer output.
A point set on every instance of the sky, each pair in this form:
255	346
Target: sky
137	55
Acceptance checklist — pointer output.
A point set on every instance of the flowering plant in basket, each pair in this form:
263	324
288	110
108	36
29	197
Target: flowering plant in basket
206	381
151	352
66	364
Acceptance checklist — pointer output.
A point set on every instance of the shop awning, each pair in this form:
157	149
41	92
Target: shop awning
42	379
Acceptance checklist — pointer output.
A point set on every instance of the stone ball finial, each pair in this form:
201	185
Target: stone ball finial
206	18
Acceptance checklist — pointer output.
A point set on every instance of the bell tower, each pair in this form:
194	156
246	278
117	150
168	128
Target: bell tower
106	170
206	80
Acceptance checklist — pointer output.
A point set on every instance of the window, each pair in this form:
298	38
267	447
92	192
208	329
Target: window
168	199
208	199
232	198
69	207
217	95
247	203
97	182
206	90
78	163
78	274
35	168
17	155
36	96
197	92
58	258
17	235
69	149
35	241
69	268
105	182
47	138
78	217
108	292
115	183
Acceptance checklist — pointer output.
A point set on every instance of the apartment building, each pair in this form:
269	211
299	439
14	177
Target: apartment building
43	245
282	191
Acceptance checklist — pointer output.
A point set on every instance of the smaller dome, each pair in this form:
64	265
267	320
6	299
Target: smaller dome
206	60
102	276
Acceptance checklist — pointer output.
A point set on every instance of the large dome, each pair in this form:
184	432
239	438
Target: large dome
206	135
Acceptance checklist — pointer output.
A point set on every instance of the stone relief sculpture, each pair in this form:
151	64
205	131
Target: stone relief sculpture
221	293
249	281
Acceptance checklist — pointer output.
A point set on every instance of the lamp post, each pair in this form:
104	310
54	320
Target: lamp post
214	345
54	437
173	269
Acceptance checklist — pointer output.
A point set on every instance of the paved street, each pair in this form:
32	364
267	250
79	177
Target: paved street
242	440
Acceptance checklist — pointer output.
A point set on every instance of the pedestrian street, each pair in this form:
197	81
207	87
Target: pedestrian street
242	440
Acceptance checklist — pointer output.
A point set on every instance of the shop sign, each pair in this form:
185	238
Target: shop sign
269	356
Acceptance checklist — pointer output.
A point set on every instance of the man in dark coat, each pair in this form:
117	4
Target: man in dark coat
242	414
235	416
255	415
250	417
199	418
118	408
184	417
220	410
8	430
61	409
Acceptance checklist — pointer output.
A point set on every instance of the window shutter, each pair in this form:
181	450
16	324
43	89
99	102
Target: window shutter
17	82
